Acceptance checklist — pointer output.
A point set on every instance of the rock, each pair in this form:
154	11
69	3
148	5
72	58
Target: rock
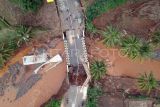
156	105
110	101
16	70
41	50
138	103
1	90
52	44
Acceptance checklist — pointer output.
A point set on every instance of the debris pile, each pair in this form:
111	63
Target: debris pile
28	84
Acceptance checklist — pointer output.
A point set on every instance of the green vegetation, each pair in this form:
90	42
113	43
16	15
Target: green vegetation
11	38
23	34
91	28
53	103
112	37
147	82
156	38
146	50
134	48
5	53
93	95
99	7
139	97
98	69
28	5
131	46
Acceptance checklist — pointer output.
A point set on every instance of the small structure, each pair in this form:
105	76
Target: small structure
34	59
50	1
55	60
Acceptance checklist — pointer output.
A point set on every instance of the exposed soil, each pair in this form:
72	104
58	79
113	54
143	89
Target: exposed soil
43	90
119	65
140	19
18	56
33	95
46	16
119	92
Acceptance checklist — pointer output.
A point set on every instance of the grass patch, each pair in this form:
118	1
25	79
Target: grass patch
53	103
28	5
93	95
97	8
101	6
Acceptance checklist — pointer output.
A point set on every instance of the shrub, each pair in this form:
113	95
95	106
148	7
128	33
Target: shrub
28	5
147	82
93	95
11	38
23	34
131	47
98	69
112	37
156	38
53	103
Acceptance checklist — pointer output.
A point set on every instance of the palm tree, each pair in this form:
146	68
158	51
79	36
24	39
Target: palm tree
131	47
23	34
146	50
98	69
147	82
112	37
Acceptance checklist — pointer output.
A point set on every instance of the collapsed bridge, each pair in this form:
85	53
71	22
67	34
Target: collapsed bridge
73	28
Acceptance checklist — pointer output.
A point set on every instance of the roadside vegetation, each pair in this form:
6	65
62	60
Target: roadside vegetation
98	69
53	103
147	82
12	38
101	6
97	8
93	95
129	45
28	5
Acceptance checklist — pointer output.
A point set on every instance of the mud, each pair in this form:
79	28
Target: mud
140	19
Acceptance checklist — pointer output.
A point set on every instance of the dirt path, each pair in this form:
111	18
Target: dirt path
120	65
48	86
